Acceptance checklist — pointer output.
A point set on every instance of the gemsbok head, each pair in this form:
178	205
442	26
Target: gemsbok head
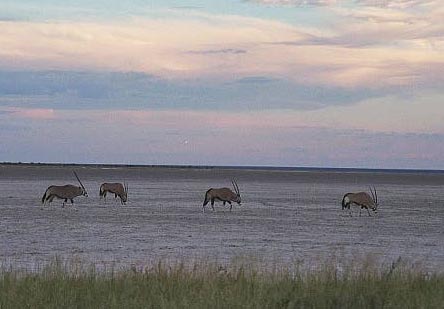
66	192
225	195
117	189
361	199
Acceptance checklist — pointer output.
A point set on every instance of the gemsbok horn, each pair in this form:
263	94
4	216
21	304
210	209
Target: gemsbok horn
66	192
226	195
362	199
117	189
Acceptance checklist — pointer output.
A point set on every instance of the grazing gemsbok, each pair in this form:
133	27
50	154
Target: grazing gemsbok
223	194
66	192
118	189
362	199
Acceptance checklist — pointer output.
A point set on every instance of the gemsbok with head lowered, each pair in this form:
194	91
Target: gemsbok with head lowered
225	195
117	189
66	192
361	199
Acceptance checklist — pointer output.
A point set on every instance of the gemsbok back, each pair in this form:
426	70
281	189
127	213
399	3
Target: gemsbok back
361	199
117	189
66	192
226	195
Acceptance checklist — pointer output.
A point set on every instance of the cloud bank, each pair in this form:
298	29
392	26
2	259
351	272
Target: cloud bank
368	47
132	90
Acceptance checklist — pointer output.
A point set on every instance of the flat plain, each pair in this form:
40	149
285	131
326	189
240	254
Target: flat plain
286	216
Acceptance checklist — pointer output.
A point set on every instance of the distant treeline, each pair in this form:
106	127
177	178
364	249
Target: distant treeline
233	167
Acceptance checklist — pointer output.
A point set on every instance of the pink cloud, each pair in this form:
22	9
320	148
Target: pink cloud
368	46
33	113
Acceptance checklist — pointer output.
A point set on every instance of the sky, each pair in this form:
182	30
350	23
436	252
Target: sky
321	83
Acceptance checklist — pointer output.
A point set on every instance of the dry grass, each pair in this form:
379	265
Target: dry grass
211	285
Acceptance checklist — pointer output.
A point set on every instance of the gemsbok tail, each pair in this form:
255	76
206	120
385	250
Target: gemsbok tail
101	191
207	199
44	196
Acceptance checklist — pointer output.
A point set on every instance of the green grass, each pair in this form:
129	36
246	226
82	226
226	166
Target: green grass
209	285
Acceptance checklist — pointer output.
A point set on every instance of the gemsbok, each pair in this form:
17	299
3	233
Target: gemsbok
117	189
66	192
225	195
362	199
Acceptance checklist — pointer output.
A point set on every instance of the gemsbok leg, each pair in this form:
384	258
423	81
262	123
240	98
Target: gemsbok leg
50	199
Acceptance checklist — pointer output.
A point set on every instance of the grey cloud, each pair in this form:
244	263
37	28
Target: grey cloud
82	85
5	112
105	90
10	18
300	96
257	79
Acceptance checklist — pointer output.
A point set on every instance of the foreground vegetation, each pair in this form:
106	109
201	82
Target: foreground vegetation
209	285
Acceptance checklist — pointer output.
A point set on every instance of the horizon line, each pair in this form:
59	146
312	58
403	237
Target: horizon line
243	167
